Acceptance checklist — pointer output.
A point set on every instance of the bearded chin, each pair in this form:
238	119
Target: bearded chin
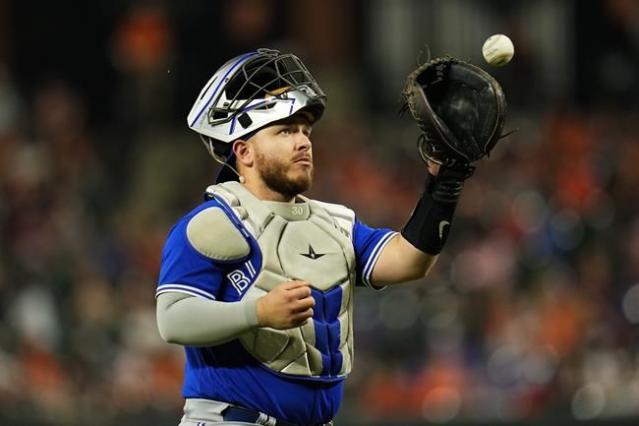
275	177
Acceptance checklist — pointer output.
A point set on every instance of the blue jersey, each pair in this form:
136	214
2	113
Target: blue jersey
228	372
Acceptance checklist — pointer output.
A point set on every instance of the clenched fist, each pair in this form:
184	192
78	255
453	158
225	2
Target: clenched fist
288	305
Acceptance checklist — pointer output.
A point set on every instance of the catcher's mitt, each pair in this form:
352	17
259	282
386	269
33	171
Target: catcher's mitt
459	107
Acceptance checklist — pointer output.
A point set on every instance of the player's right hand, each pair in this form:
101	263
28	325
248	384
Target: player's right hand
288	305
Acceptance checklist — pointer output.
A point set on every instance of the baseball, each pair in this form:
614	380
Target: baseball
498	50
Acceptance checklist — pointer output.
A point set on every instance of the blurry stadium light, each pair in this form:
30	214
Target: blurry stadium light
588	402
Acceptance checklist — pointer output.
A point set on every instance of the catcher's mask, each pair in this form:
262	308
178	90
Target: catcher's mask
248	93
462	109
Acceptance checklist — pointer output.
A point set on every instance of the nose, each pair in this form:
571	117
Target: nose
303	142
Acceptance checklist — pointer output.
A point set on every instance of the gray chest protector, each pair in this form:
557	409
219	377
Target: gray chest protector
308	241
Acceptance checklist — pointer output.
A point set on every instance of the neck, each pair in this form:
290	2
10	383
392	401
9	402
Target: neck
265	193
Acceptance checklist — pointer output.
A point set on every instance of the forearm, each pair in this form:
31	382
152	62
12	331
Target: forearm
416	262
194	321
411	255
401	262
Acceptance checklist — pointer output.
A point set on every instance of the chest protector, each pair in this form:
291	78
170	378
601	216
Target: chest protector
310	241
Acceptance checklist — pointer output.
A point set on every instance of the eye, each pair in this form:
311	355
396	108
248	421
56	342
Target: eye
286	131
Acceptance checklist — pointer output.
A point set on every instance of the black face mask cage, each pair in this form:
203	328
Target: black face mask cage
265	75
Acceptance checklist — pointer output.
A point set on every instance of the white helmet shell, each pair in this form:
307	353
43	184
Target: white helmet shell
251	91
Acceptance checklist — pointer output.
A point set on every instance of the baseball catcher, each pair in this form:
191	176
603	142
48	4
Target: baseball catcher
257	282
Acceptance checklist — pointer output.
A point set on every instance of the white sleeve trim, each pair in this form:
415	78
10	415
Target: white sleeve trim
374	256
181	288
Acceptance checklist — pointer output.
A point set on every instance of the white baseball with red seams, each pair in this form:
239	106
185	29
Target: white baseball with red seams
498	50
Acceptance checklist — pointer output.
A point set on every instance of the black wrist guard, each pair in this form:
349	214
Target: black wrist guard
428	227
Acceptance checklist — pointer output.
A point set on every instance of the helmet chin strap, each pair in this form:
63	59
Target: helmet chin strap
208	143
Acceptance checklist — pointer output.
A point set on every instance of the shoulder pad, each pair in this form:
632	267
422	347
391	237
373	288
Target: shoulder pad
213	234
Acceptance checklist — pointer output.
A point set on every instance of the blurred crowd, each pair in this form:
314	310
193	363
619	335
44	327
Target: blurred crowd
532	307
77	273
531	311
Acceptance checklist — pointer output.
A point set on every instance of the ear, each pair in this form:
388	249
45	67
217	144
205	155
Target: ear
243	152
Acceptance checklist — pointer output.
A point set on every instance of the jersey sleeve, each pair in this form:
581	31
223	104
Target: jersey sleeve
185	270
369	244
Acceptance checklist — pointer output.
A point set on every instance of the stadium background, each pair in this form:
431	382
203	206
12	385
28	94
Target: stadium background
531	315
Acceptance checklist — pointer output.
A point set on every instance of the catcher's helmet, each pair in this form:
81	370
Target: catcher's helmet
249	92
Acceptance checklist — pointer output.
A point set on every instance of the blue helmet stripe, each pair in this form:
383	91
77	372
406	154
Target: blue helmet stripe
240	61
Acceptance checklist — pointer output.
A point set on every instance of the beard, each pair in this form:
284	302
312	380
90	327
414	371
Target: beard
276	175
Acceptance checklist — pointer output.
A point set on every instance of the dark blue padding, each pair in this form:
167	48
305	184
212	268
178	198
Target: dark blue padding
327	328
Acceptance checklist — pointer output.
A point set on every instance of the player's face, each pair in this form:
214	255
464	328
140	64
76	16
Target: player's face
284	156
